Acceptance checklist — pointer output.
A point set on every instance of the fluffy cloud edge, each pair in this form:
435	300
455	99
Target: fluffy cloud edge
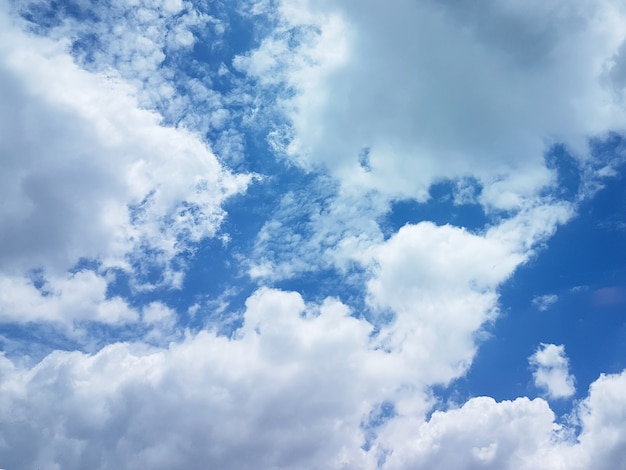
292	388
551	371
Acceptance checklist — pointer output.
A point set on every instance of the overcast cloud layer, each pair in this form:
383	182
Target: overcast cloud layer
284	136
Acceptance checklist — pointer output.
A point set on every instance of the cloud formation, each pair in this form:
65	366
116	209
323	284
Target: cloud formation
551	371
290	389
88	175
443	90
109	183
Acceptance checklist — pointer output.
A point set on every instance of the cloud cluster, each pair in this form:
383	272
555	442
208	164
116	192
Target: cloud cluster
391	99
291	389
440	283
521	434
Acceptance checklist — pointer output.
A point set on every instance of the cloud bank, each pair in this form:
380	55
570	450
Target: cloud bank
289	390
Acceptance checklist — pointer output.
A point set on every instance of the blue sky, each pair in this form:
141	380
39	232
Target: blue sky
293	234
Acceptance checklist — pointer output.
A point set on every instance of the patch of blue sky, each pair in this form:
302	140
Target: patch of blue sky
456	201
441	209
378	416
211	273
240	34
214	268
29	343
38	278
584	265
84	48
569	178
215	45
315	286
300	234
214	291
311	195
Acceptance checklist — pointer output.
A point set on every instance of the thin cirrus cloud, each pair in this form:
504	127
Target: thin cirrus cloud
543	302
116	137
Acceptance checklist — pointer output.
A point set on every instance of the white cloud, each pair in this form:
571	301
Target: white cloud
443	90
88	174
290	389
156	312
81	296
480	434
440	282
544	302
517	435
161	321
602	415
281	393
551	371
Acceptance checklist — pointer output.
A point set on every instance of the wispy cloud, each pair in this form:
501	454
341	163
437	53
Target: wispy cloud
544	302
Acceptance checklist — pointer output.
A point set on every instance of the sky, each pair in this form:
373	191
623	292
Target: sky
292	234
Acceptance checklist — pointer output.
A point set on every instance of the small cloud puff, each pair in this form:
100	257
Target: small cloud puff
551	371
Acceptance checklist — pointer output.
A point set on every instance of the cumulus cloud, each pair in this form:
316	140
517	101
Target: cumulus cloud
603	438
430	92
481	434
292	388
280	393
551	371
437	90
519	435
440	283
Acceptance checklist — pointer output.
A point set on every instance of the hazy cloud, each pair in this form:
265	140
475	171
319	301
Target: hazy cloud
543	302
